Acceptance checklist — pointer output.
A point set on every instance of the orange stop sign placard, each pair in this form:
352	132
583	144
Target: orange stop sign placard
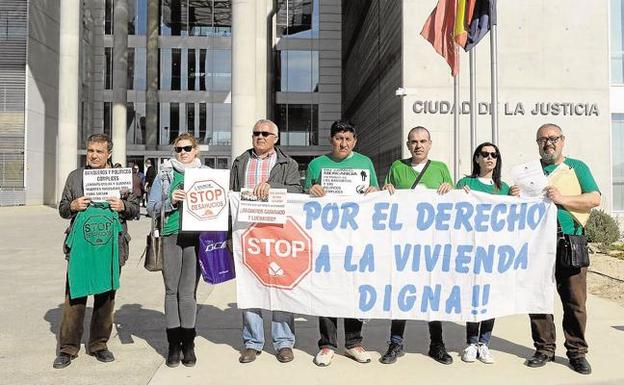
278	255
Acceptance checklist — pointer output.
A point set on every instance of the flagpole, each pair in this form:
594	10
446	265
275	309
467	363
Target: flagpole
456	128
473	98
494	82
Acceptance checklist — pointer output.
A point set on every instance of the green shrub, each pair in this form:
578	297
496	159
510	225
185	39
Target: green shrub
602	228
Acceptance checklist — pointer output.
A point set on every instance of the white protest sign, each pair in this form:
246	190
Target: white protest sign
411	255
345	181
206	203
101	183
269	210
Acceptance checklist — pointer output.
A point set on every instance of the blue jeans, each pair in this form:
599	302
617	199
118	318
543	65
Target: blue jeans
282	329
482	336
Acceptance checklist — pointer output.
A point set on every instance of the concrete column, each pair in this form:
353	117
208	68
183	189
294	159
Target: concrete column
120	80
249	31
151	107
69	83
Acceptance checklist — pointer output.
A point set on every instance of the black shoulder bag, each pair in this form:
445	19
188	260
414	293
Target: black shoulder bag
572	250
420	175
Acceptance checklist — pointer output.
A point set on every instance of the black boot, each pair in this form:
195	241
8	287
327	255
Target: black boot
174	337
188	347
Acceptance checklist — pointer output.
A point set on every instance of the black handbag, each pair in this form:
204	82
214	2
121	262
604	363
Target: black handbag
573	251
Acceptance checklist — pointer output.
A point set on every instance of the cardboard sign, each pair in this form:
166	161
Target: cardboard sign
345	181
270	210
101	183
206	203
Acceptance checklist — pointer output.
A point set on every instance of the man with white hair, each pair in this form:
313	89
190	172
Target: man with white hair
262	167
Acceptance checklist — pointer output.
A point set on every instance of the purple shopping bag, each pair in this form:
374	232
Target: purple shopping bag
215	260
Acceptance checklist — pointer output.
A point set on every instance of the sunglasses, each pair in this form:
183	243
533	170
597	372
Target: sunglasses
265	134
552	139
184	148
485	154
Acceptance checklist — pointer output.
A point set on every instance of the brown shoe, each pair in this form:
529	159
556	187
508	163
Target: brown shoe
248	355
285	355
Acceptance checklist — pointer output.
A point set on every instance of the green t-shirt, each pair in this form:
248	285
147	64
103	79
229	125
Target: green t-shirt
402	175
173	219
477	185
356	160
587	183
93	266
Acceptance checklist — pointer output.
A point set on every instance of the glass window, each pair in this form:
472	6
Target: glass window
222	163
298	124
202	123
176	68
174	18
140	68
617	42
108	118
130	69
617	140
135	119
137	17
298	19
191	73
108	17
174	121
190	118
297	71
219	70
108	68
165	69
210	162
202	70
221	123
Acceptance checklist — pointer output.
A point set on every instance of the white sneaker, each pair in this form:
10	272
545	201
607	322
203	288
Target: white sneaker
359	354
470	353
484	354
324	357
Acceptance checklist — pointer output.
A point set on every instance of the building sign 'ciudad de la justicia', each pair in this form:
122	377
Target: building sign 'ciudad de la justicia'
512	109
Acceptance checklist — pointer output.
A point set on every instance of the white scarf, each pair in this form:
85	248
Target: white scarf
181	167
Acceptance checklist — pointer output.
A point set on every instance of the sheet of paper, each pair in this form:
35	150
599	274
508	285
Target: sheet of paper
269	210
101	183
343	181
530	178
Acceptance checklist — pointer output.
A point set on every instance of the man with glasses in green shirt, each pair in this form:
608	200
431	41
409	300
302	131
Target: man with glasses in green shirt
571	281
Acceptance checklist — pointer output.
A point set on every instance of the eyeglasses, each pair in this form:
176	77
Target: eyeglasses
552	139
265	134
485	154
183	148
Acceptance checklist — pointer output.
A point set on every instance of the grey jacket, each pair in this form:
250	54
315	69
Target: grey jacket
285	173
73	189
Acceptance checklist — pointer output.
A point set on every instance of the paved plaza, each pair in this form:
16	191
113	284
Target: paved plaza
32	283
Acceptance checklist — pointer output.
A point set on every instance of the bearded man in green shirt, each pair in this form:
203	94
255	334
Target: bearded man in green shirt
409	173
571	281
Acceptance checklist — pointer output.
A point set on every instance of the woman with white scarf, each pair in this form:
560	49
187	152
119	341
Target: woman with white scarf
180	268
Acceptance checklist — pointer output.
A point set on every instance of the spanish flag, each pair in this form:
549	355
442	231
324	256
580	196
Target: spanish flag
439	30
473	21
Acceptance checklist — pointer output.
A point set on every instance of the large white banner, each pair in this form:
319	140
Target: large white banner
411	255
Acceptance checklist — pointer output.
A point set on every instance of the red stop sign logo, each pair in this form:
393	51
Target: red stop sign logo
278	255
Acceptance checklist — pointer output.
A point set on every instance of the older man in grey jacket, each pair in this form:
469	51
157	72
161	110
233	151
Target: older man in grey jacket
262	167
